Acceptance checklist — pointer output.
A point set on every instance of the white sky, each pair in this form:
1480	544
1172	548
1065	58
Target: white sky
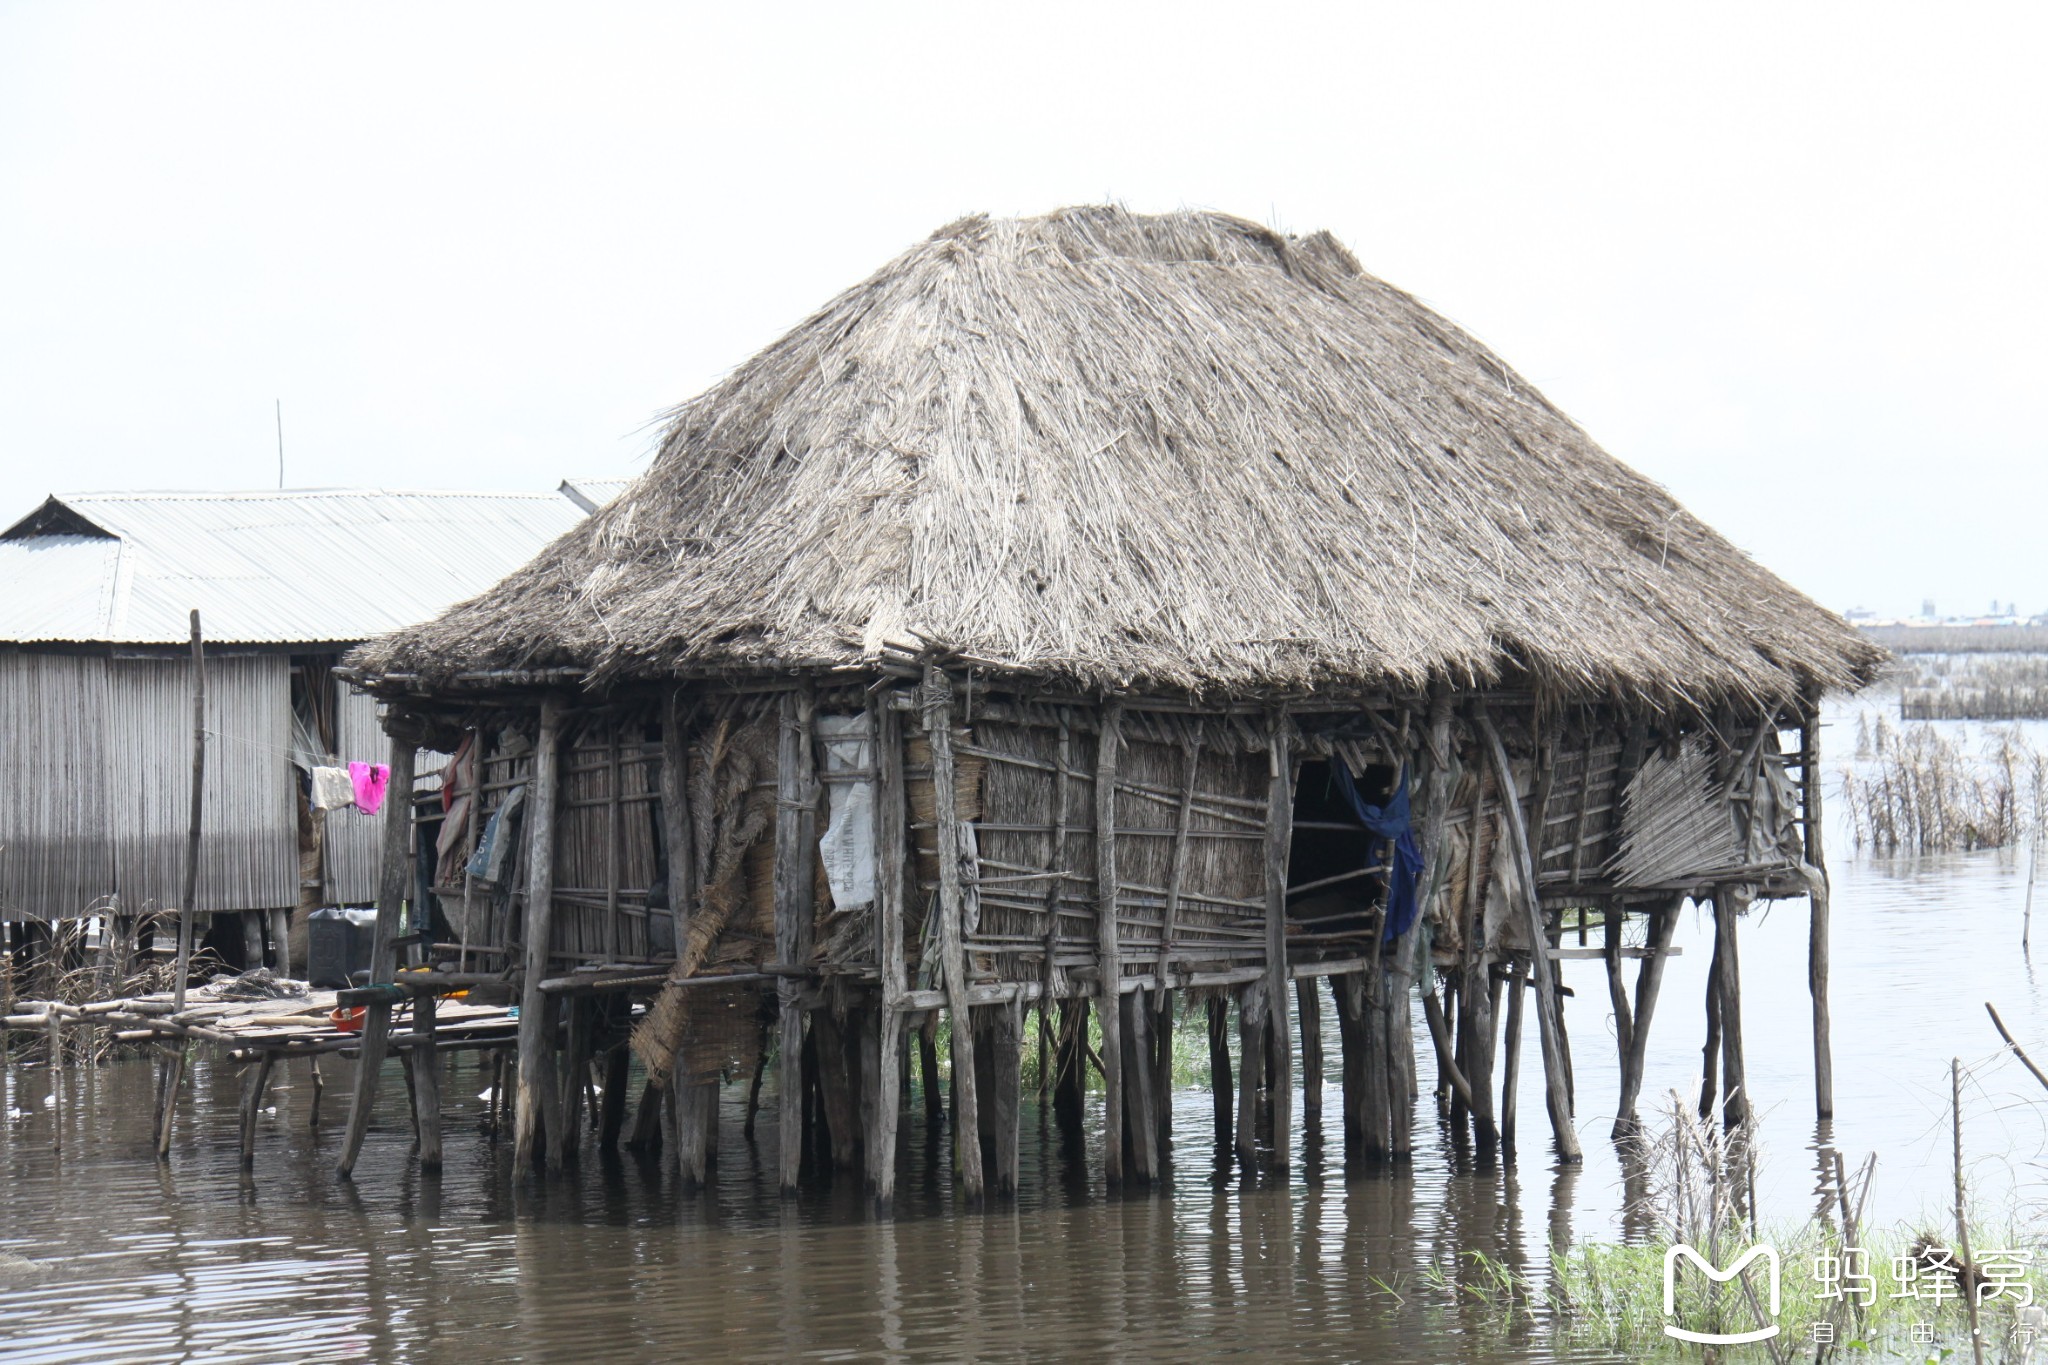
1787	260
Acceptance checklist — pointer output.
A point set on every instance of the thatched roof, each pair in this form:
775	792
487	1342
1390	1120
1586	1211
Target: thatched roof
1179	452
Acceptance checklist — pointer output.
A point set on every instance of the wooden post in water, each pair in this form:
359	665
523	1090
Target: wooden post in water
1729	902
1279	842
796	846
1548	1025
1005	1027
1308	1007
1817	905
1511	1069
891	823
392	887
1649	977
53	1027
1219	1067
254	1084
1252	1003
1141	1123
1108	944
947	835
426	1075
198	805
536	1036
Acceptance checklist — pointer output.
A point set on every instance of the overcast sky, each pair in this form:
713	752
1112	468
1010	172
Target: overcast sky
1787	260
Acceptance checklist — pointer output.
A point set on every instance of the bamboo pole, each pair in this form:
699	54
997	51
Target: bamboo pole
1511	1067
1649	977
535	1015
1728	906
1548	1027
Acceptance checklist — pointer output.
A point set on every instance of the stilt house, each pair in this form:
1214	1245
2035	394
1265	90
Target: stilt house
1089	608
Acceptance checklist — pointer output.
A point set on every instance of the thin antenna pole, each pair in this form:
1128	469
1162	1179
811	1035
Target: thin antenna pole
280	444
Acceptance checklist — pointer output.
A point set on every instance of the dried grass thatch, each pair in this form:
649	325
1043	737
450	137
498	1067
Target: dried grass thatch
1180	453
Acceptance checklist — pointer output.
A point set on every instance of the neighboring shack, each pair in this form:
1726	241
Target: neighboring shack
95	692
1065	615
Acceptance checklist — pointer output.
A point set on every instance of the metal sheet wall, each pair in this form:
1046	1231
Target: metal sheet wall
97	801
249	830
55	858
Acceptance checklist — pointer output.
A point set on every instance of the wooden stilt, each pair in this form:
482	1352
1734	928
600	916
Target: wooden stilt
1162	1076
952	849
1251	1054
646	1135
795	846
318	1086
1729	903
53	1027
837	1061
891	894
1308	1006
565	1120
1710	1054
1649	977
1617	989
1108	946
1279	843
170	1077
1817	904
1511	1069
696	1102
536	1037
1548	1015
1347	995
1219	1068
1141	1126
617	1060
928	1069
1070	1083
1377	1077
1005	1091
254	1084
426	1066
394	885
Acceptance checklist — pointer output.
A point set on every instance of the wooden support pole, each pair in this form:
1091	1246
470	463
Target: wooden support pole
952	848
1649	977
1252	1002
1817	903
1162	1076
1548	1026
1729	903
1279	841
1405	961
677	837
891	825
1141	1126
928	1070
1511	1069
393	885
796	845
696	1108
254	1083
617	1063
169	1078
1219	1067
53	1028
1108	946
1347	995
1710	1053
1308	1007
1617	989
426	1074
536	1014
1005	1026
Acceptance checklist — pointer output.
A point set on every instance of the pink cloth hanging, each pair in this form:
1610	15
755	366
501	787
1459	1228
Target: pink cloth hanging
370	780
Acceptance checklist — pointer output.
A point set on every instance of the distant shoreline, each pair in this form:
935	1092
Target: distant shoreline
2028	639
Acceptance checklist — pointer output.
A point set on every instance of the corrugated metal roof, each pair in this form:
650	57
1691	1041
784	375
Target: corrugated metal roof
270	567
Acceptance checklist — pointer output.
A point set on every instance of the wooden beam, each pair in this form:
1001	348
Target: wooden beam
949	836
395	881
1816	873
1649	977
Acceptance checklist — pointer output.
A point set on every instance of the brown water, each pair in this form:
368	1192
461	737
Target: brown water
194	1260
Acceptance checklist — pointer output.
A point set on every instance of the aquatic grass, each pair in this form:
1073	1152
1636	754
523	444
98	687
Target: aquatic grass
1920	789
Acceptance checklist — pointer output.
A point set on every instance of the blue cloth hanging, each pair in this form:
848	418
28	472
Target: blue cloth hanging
1390	821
